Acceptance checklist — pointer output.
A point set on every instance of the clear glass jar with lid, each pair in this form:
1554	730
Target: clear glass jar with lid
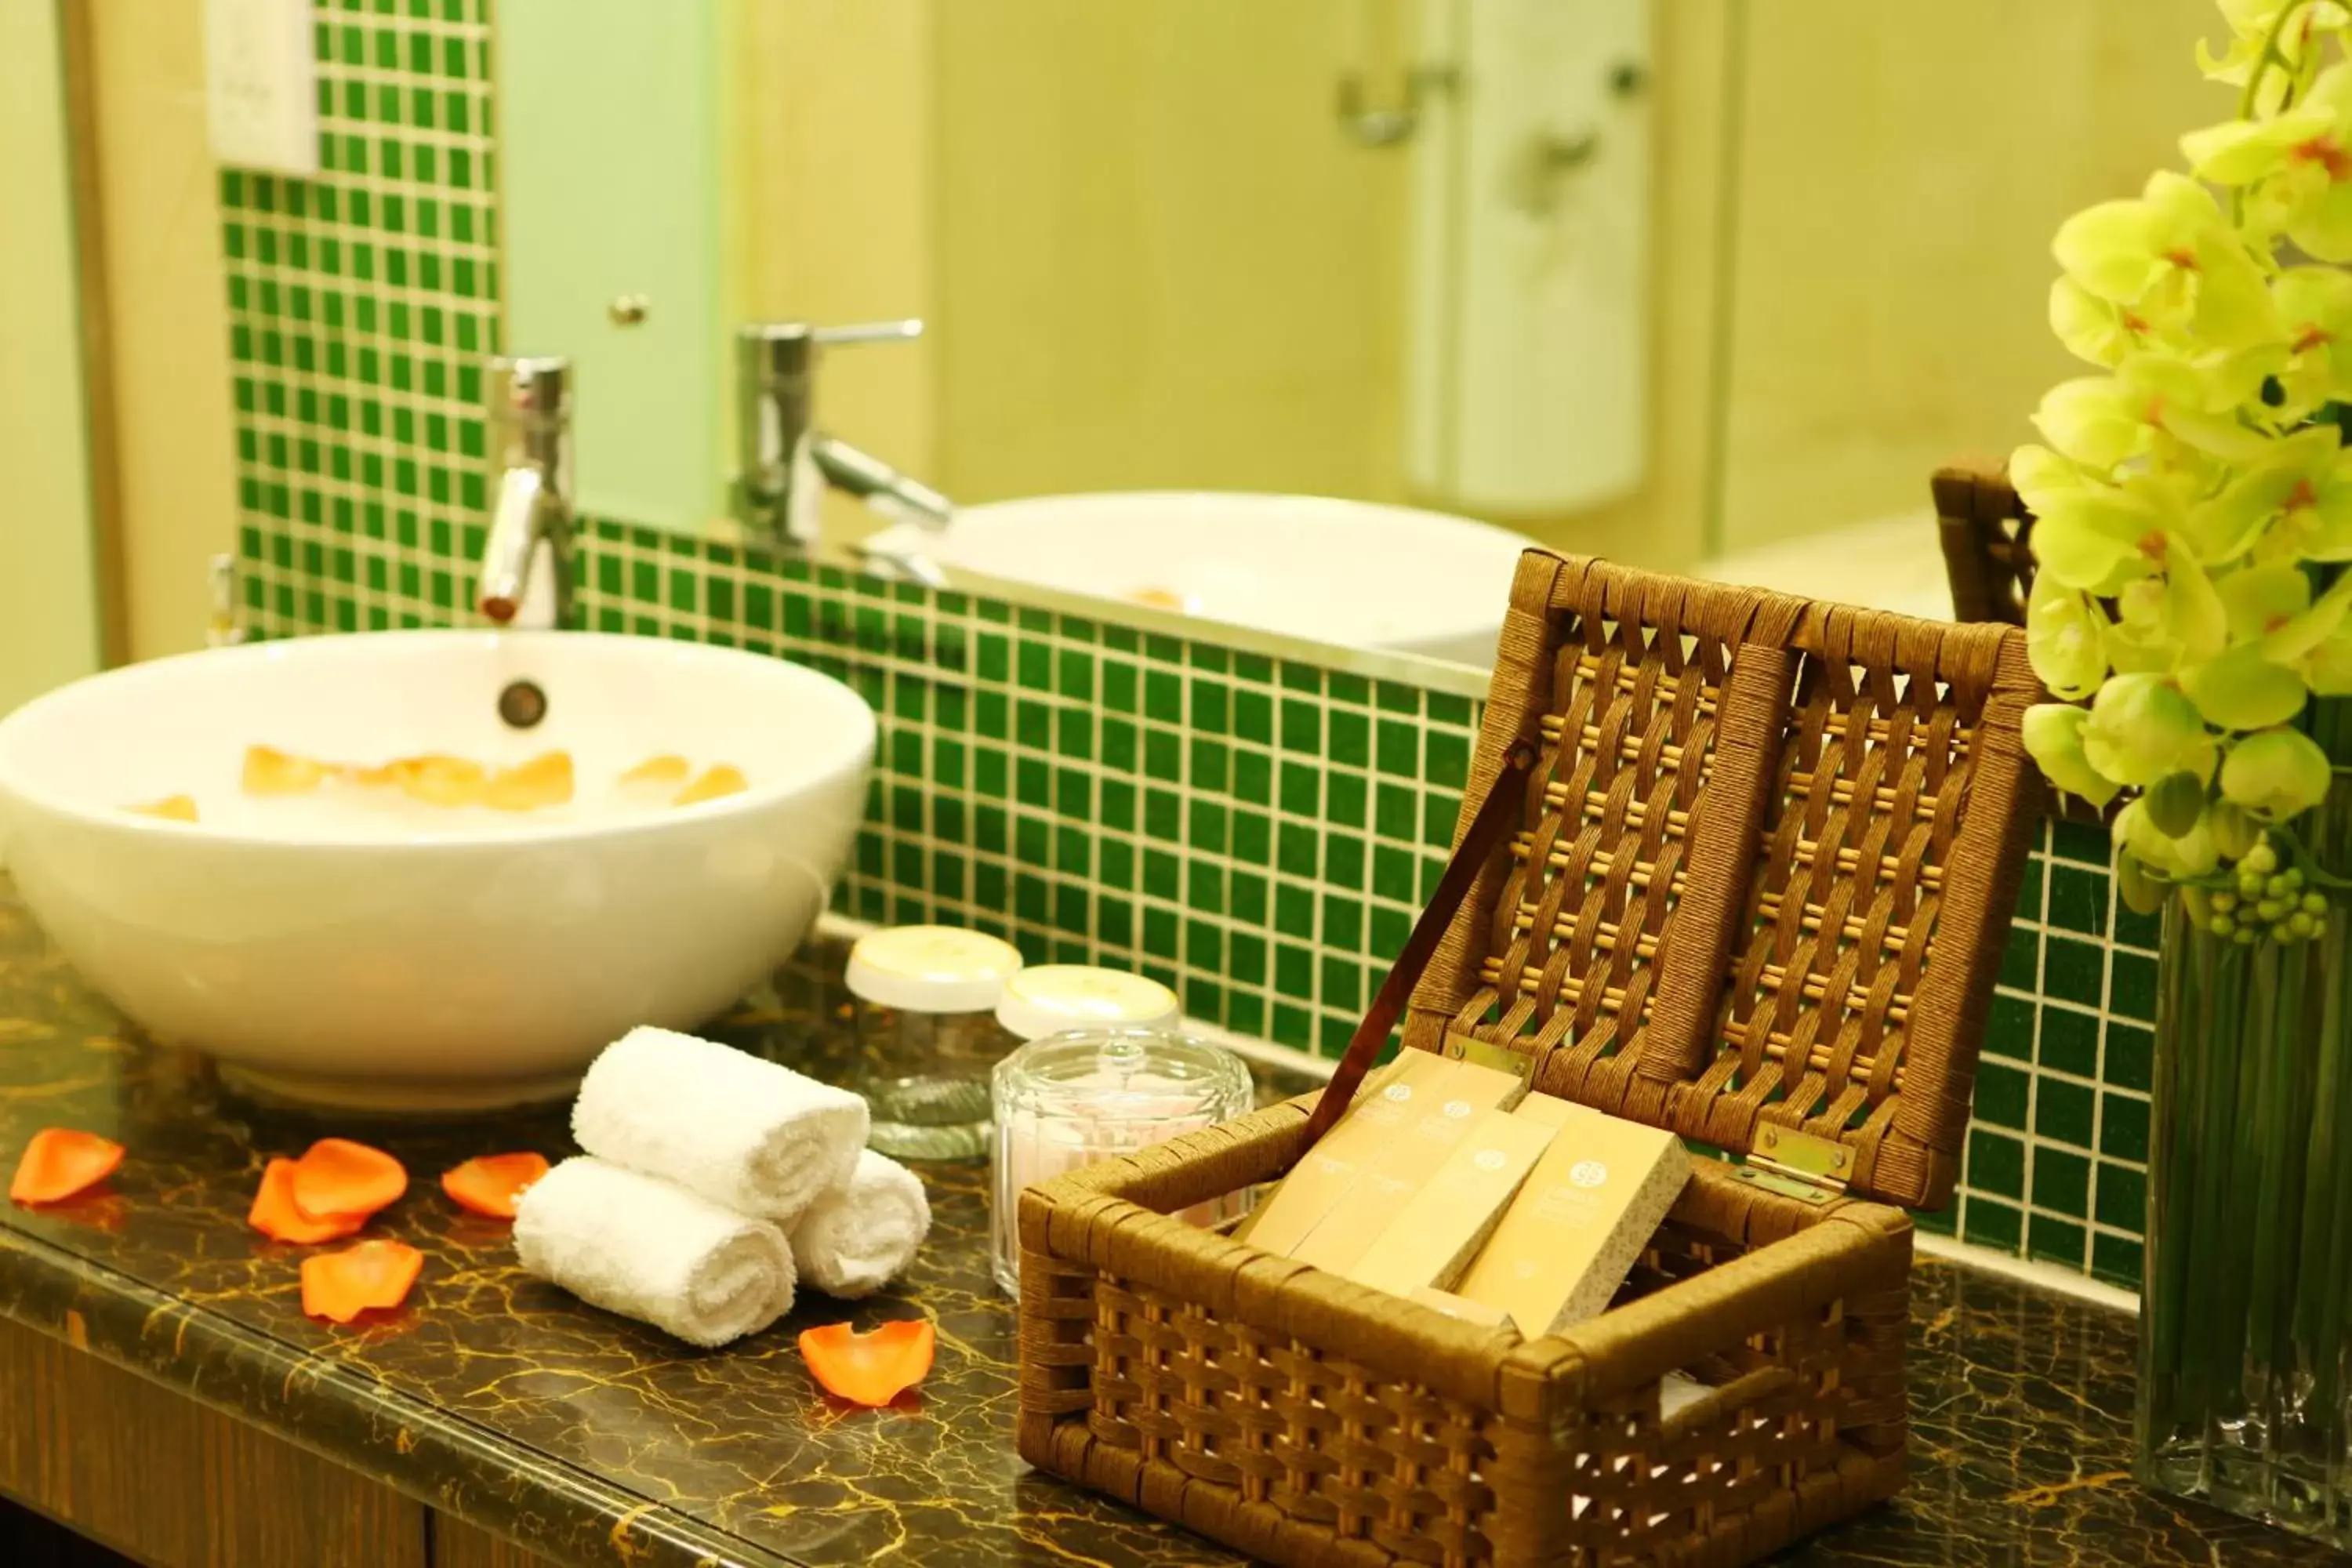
928	1036
1071	1099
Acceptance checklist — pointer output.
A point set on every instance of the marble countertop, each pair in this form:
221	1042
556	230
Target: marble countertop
594	1441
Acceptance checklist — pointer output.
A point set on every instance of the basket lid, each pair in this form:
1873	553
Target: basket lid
1759	878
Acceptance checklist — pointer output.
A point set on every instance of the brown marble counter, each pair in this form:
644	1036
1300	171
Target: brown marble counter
587	1439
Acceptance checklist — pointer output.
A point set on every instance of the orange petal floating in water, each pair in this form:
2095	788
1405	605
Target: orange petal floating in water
438	779
668	768
493	1185
374	1276
869	1369
720	778
277	1216
171	808
60	1163
269	771
338	1179
545	780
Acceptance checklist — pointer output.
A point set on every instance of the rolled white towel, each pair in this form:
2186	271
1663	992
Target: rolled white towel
639	1247
750	1135
855	1240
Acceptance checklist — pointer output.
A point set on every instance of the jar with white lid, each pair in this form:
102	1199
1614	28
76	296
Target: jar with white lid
1072	1098
1053	997
928	1036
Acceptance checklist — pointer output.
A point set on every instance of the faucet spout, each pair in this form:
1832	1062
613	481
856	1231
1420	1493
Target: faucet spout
515	532
530	412
878	485
783	460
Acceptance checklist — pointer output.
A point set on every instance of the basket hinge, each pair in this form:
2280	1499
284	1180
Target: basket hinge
1797	1164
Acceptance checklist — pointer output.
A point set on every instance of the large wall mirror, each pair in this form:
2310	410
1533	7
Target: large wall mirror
1304	317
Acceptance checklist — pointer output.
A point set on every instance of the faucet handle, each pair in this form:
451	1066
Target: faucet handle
786	349
528	387
870	332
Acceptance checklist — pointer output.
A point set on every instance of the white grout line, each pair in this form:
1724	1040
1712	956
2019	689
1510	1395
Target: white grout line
2048	1276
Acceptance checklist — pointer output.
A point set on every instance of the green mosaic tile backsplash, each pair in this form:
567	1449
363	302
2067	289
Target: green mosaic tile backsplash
1256	832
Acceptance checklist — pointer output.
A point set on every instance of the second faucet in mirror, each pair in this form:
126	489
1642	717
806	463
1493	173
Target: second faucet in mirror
786	461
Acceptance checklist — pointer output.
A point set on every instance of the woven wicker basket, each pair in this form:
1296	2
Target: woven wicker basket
1756	895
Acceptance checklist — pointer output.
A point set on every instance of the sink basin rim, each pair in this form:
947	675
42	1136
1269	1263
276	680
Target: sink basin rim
761	793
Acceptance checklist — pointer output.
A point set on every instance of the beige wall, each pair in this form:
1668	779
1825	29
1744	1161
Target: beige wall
1160	263
169	307
833	119
48	591
1901	172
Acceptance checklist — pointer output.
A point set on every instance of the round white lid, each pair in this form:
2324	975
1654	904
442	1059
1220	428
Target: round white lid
931	969
1053	997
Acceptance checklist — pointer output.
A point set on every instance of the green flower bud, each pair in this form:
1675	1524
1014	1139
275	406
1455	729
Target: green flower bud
2221	925
2315	903
2234	831
2276	774
2053	732
2175	802
2301	923
2261	861
2065	638
2141	894
2182	859
2270	909
2141	728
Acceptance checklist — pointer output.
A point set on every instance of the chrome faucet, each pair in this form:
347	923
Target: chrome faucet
528	404
785	461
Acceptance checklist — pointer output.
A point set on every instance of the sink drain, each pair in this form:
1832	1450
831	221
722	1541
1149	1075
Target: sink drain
522	705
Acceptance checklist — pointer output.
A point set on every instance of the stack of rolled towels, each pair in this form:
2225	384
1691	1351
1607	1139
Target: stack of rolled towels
713	1181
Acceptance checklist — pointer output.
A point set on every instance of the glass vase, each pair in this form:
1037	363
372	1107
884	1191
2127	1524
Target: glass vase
2245	1387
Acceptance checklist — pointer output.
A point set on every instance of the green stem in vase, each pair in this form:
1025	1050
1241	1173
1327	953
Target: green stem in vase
2214	1331
2274	1140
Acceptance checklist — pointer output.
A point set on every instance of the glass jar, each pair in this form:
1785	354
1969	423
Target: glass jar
928	1036
1053	997
1072	1098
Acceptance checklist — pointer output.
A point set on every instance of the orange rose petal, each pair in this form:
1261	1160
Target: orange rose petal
720	778
60	1163
338	1179
869	1369
375	1275
171	808
493	1185
438	779
668	768
276	1214
269	771
545	780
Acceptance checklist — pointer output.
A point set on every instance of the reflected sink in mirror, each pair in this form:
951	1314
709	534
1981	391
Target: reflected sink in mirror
362	941
1344	572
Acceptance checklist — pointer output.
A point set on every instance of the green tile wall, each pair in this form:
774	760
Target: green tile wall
1256	832
2057	1158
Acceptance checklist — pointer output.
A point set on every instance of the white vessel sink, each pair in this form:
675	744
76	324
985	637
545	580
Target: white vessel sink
1341	572
355	946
